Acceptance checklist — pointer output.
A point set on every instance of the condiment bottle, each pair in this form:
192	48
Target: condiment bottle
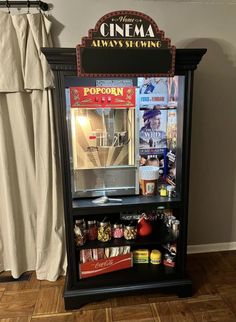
163	191
175	228
175	225
155	257
104	231
92	230
117	231
170	189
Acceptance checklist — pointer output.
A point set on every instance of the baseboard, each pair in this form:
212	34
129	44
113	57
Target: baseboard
208	248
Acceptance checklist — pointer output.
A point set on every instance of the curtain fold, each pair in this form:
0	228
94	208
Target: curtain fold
31	206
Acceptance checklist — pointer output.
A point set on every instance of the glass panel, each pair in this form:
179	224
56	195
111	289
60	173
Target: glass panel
161	104
102	137
110	138
101	118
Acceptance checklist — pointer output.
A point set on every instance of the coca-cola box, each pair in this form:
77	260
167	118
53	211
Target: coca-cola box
106	265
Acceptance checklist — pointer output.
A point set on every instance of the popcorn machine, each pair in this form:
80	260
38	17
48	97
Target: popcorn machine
102	125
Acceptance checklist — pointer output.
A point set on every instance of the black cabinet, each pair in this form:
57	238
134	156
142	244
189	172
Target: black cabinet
143	277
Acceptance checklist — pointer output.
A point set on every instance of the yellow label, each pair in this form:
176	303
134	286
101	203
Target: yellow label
155	257
163	192
141	252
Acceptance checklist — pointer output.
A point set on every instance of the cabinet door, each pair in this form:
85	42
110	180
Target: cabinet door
101	122
161	106
117	125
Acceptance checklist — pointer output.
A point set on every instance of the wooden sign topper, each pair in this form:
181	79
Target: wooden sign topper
125	43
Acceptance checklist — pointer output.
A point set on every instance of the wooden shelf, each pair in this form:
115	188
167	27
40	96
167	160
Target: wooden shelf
141	278
159	237
139	273
132	203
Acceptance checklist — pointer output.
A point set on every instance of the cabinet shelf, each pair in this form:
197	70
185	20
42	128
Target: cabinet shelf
159	237
132	203
138	274
140	278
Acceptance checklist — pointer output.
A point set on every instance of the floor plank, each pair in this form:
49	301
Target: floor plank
18	303
91	316
2	287
67	317
215	316
49	300
129	300
230	299
98	305
135	313
59	282
19	319
181	312
161	312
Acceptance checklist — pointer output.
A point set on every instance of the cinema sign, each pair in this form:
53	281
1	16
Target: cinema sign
118	44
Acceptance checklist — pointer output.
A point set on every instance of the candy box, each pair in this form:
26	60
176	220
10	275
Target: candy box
106	265
141	256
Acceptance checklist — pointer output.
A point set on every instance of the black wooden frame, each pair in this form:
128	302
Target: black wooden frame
63	63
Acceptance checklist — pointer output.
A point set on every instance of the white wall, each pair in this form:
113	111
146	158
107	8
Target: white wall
208	24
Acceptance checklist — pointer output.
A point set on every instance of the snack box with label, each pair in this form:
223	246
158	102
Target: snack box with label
105	265
141	256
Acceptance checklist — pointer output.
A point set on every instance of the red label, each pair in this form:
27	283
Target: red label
95	97
107	265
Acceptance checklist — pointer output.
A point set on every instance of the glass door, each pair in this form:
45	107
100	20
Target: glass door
102	130
116	126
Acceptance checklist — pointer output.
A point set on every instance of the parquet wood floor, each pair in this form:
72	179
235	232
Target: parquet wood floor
214	299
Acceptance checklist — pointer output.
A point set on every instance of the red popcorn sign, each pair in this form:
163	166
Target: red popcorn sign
102	97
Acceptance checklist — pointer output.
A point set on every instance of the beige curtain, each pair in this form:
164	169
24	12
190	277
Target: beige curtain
31	207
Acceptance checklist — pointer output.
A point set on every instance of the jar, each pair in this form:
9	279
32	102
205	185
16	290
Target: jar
130	232
80	232
170	220
175	228
104	231
163	191
155	257
117	231
175	225
92	230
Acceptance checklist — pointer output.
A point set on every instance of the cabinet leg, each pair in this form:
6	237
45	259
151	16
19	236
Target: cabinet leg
74	304
185	291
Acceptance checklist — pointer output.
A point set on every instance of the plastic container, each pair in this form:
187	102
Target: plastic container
148	180
155	257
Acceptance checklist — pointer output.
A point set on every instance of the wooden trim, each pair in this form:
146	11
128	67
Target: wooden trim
208	248
65	58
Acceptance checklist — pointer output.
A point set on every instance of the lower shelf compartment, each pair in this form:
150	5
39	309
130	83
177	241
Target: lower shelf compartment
139	279
76	298
139	273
